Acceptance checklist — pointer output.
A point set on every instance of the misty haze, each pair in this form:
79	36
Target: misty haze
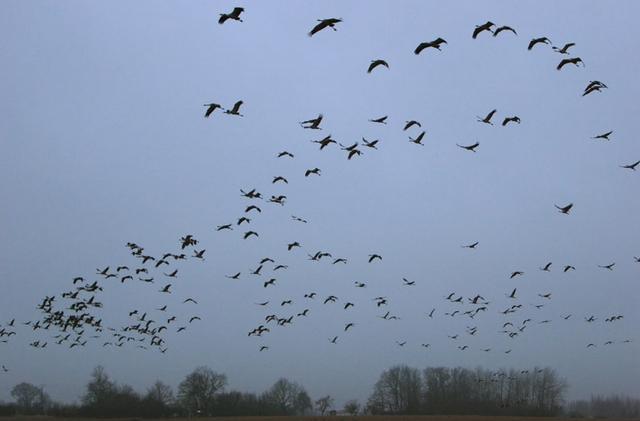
353	209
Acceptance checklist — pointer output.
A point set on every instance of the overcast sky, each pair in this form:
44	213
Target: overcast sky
104	142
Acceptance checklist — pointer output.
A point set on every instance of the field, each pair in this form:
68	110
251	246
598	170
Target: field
331	418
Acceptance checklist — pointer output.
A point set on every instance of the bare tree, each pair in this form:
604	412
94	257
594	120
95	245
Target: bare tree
197	391
324	403
30	398
288	398
397	391
352	407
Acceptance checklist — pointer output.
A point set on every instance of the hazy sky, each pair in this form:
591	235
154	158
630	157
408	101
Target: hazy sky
104	141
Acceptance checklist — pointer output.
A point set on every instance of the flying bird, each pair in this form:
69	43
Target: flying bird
514	119
504	28
565	49
325	23
211	108
235	110
376	63
603	136
564	209
417	140
471	148
234	15
542	40
432	44
631	166
488	117
575	61
380	120
313	123
480	28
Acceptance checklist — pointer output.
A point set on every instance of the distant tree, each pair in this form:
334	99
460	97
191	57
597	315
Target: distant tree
324	403
161	393
100	388
287	398
352	407
197	391
30	399
397	391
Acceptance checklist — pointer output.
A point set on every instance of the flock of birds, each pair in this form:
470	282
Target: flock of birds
73	319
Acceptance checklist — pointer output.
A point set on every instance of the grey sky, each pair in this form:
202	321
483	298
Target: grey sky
104	142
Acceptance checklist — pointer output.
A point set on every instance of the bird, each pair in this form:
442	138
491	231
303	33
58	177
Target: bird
198	254
325	23
565	209
513	293
376	63
271	281
609	266
211	107
410	124
252	207
436	43
313	123
324	142
431	313
348	304
172	274
235	110
480	28
333	340
542	40
194	318
407	282
547	267
487	118
603	136
190	300
471	246
403	343
372	257
249	234
315	171
263	348
290	246
568	268
371	144
235	15
339	260
236	276
166	288
593	86
516	273
565	49
417	140
575	61
514	119
348	325
471	148
631	166
380	120
360	284
353	153
285	153
279	178
504	28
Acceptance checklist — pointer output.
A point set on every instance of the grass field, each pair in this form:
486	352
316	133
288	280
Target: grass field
328	418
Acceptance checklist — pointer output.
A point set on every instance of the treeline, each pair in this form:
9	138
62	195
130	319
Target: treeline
460	391
605	407
399	390
201	393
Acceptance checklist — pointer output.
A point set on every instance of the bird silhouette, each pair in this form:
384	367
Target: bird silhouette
436	43
575	61
481	28
236	109
603	136
376	63
502	29
417	140
542	40
380	120
487	118
565	209
325	23
514	119
234	15
313	123
564	49
631	166
471	148
211	108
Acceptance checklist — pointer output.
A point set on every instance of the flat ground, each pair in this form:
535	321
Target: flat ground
329	418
